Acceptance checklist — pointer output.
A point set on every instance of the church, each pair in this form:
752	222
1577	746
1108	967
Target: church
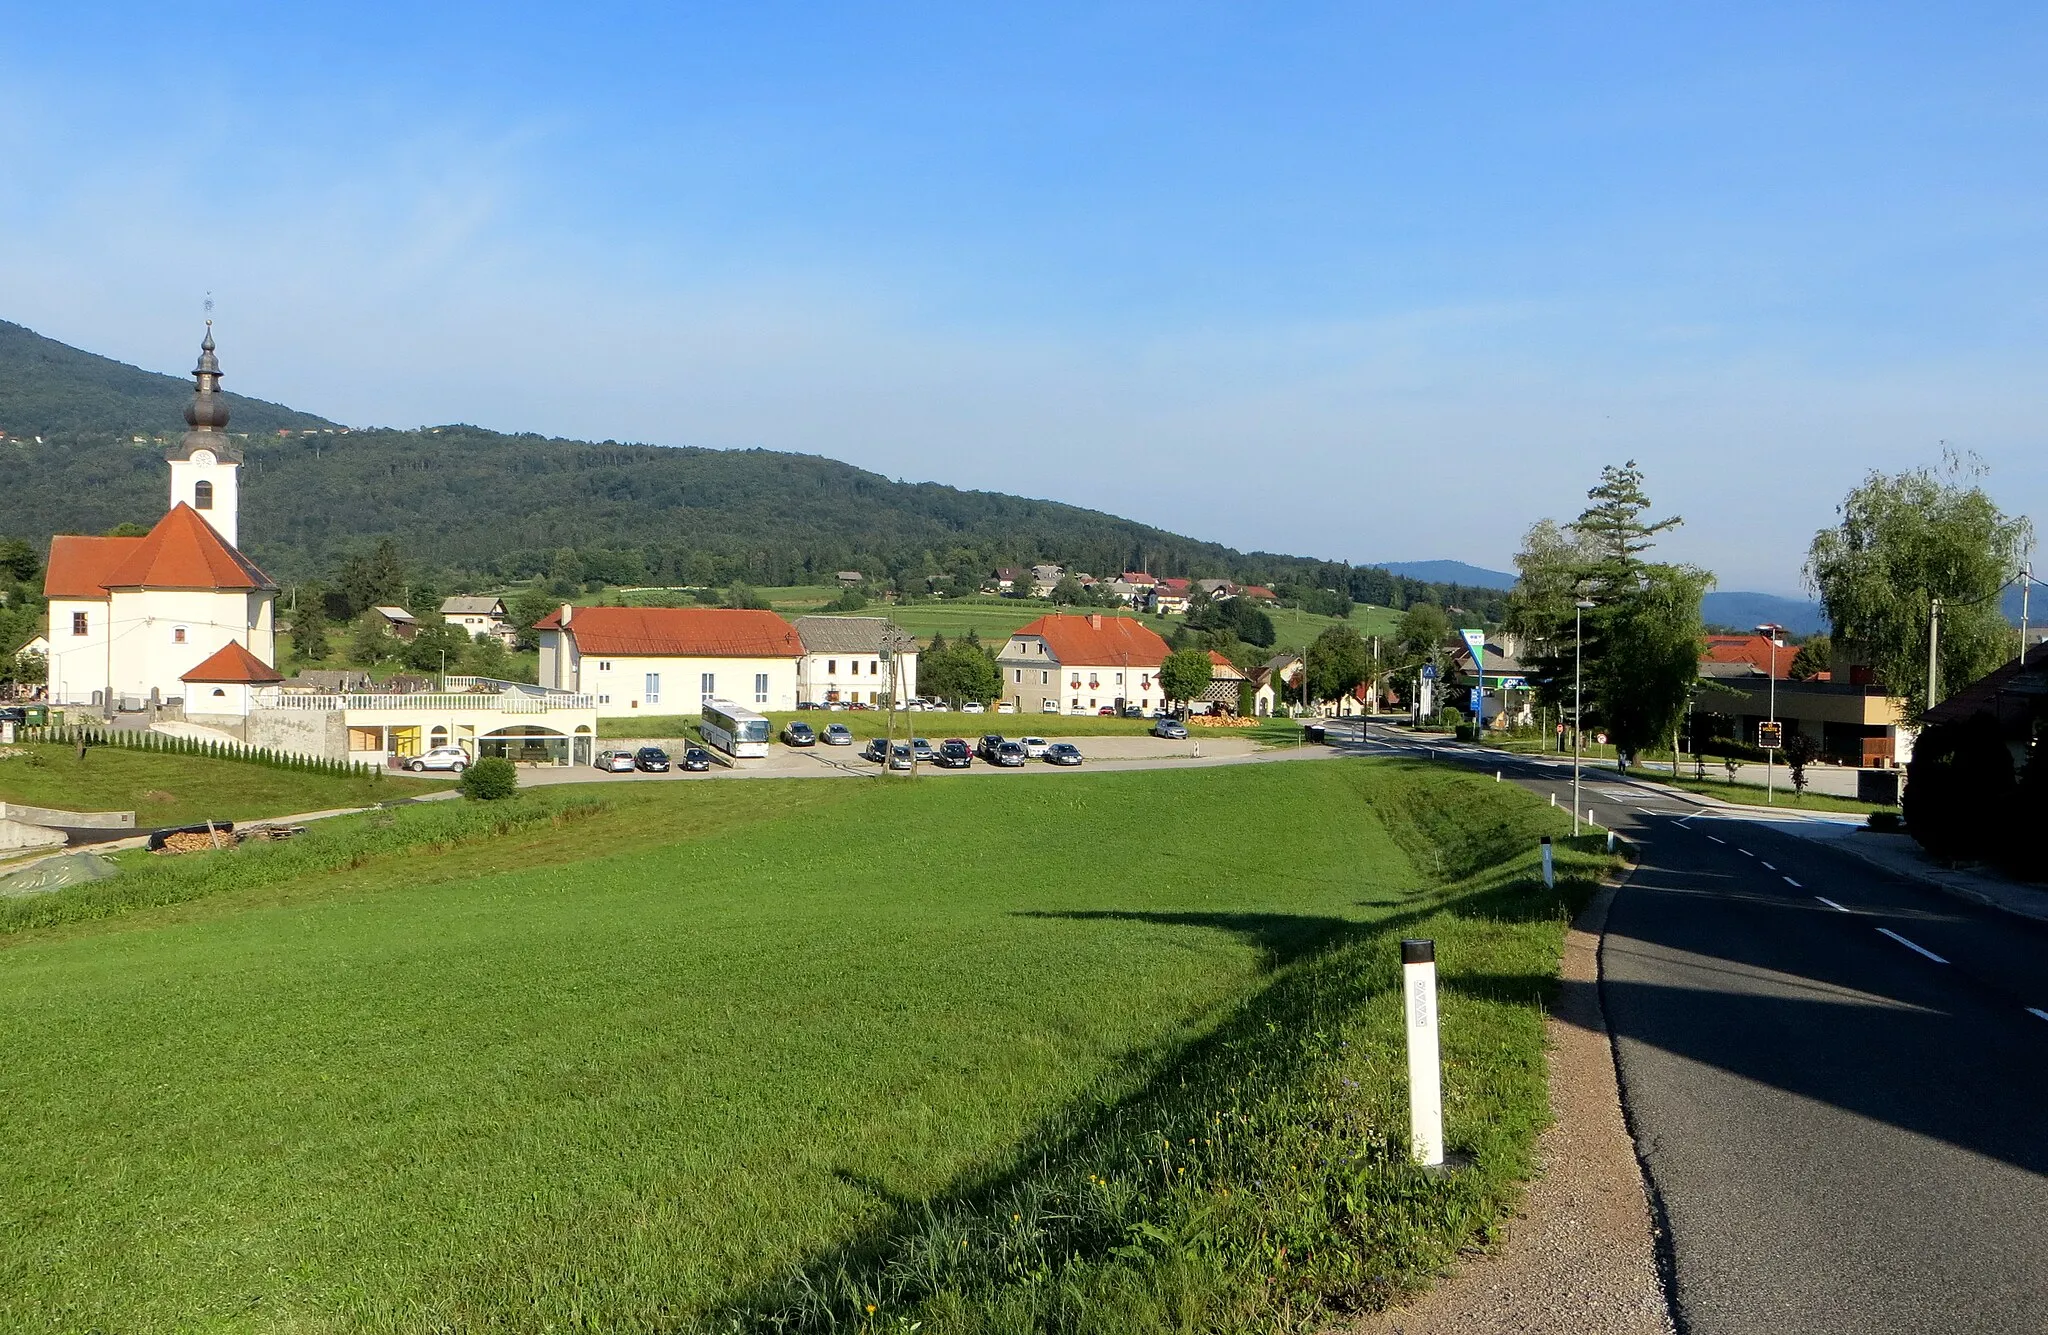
178	614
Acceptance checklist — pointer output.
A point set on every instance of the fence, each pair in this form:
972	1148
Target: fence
74	734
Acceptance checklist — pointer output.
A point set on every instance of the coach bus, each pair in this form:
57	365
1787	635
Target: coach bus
733	730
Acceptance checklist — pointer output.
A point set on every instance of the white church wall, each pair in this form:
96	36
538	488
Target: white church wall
161	634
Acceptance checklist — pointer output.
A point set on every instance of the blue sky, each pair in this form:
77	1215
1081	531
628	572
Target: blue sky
1354	281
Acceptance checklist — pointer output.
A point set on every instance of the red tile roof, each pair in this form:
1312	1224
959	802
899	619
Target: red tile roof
183	552
232	663
79	567
1098	641
1173	584
678	632
1138	577
1754	650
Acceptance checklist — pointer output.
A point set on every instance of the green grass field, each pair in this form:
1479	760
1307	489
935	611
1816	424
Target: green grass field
789	1056
165	789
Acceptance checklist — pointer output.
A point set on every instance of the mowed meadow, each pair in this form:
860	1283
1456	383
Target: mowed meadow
1114	1052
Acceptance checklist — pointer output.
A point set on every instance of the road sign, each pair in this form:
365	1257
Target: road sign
1475	640
1770	736
1429	672
1478	699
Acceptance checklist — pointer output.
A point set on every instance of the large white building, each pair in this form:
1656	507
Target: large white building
669	660
130	617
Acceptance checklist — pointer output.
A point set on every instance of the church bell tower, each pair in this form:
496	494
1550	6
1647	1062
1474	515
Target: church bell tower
206	465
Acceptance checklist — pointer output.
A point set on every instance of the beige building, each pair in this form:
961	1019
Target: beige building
1066	664
843	663
480	615
669	660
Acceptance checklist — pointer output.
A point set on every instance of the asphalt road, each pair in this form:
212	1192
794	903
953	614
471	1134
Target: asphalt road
1835	1077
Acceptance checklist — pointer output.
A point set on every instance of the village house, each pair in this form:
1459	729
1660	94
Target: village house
1170	596
397	623
1082	664
478	615
1270	683
1852	719
1221	695
843	660
670	660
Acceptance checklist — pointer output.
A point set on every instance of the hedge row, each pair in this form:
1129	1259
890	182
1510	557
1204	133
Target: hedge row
75	734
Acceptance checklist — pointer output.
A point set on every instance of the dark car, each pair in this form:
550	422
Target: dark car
953	753
1170	728
697	760
1010	755
1063	753
876	750
986	748
651	760
13	714
799	734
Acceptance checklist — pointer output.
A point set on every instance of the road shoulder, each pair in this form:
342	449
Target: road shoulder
1581	1254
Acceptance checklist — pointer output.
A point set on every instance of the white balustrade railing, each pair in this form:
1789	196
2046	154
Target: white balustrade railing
511	702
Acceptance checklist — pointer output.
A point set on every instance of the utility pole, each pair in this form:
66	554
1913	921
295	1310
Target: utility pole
2026	591
1578	701
1770	753
1933	651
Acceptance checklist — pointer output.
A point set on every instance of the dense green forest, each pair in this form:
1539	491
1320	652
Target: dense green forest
468	506
53	390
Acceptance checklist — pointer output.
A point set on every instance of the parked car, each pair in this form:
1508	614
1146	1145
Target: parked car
1107	711
1132	711
1010	755
451	758
1170	728
954	754
1006	707
838	734
900	756
807	704
986	747
615	762
971	707
1034	747
651	760
1063	753
799	733
876	750
1049	707
697	760
921	747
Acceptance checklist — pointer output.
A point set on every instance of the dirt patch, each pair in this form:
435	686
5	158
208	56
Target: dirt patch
1581	1255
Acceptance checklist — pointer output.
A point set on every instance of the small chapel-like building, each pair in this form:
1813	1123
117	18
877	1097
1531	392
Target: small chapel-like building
178	614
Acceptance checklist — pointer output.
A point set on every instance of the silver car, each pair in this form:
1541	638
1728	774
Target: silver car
615	762
838	734
1034	747
899	756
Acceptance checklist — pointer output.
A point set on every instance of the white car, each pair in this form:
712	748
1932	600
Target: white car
972	707
451	758
1034	747
1006	707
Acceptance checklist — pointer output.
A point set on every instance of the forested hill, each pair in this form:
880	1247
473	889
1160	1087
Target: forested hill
52	389
480	504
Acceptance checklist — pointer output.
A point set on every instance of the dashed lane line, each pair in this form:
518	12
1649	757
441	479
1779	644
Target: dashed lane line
1745	852
2037	1013
1794	884
1767	866
1912	945
1717	839
1829	902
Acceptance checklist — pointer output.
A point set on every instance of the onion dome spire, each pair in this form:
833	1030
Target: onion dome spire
207	413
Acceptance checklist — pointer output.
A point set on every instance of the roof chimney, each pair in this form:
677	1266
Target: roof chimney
1095	620
568	610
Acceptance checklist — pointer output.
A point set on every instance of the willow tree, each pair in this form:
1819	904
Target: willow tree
1904	541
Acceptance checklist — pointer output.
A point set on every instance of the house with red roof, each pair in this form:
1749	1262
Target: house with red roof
1170	596
130	617
1073	664
670	660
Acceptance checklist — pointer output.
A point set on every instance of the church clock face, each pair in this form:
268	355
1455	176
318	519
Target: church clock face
204	458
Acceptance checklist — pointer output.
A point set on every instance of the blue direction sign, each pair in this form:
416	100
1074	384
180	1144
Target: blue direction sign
1429	672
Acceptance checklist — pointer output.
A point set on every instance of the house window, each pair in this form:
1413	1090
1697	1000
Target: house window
178	635
1119	678
78	623
760	688
604	699
1045	679
604	665
1019	678
873	667
202	495
653	691
707	684
831	667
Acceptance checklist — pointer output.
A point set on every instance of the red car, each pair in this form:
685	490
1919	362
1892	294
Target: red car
1106	712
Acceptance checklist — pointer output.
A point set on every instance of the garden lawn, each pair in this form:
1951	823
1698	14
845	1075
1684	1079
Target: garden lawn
162	788
635	1070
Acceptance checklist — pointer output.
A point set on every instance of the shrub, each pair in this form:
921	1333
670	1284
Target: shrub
1959	789
1885	822
490	779
1447	717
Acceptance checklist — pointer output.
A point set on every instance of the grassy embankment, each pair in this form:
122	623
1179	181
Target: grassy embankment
761	1058
165	789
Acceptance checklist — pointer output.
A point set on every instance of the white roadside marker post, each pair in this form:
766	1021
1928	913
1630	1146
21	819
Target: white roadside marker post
1610	841
1553	799
1549	868
1425	1074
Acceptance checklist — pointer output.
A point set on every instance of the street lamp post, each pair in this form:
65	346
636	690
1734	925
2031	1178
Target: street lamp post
1578	700
1771	631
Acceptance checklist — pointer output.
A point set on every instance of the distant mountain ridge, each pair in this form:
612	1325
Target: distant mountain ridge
1733	608
52	389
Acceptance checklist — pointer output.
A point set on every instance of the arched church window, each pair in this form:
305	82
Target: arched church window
202	495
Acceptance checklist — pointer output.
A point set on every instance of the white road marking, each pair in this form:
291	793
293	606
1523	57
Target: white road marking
1829	902
1745	852
1718	841
1767	866
1913	946
2037	1014
1794	884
